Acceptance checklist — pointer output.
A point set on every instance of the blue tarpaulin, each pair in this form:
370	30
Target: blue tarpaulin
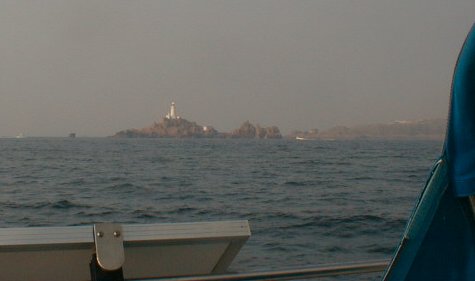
439	241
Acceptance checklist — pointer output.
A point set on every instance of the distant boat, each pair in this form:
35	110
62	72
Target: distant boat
20	136
72	135
303	139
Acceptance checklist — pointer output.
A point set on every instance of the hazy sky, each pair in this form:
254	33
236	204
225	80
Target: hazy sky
97	67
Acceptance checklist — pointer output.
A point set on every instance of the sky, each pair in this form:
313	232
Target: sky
97	67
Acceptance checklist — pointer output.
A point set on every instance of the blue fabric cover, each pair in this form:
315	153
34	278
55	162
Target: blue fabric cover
460	142
439	241
447	251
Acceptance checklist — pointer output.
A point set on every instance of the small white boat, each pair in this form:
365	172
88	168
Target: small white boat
303	139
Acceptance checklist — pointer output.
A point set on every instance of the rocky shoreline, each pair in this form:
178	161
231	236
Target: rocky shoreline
426	129
182	128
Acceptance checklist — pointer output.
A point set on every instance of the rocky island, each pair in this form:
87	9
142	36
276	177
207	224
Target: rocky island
170	128
173	126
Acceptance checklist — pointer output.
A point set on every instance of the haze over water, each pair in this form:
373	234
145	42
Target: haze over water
98	67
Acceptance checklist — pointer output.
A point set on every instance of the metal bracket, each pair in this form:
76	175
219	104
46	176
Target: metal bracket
109	242
106	263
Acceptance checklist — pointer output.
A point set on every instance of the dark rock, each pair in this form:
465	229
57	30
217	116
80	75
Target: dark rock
249	131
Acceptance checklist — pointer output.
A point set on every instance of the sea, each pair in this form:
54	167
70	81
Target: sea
308	202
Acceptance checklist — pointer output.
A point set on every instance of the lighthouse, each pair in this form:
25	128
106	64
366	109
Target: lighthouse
172	113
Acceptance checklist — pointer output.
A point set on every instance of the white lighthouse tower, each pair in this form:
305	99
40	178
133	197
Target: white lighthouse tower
172	113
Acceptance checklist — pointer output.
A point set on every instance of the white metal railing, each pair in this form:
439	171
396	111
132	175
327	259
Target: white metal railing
290	274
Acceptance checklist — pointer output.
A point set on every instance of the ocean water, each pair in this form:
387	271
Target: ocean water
308	202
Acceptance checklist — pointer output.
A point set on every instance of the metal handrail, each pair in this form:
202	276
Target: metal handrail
290	274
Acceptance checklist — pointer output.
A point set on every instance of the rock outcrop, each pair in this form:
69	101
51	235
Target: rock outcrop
249	131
